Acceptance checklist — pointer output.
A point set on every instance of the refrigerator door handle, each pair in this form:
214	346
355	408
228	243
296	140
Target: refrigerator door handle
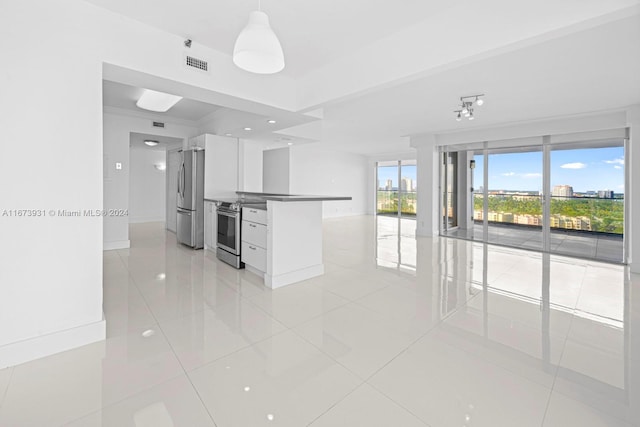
178	179
184	177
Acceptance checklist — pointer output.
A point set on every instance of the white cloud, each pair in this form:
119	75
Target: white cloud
576	165
619	161
617	167
531	175
621	186
508	174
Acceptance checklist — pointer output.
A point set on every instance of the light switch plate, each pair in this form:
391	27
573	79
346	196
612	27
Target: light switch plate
118	165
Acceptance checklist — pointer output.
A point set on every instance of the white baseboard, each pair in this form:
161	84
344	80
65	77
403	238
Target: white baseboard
116	244
294	276
46	345
141	219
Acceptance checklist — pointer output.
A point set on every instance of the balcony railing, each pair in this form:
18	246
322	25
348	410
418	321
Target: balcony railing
387	202
591	214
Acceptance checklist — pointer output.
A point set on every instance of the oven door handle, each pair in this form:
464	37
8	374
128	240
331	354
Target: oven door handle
230	215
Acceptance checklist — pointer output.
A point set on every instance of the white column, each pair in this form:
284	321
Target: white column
632	192
465	203
428	193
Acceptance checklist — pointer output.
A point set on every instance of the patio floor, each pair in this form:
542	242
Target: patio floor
597	246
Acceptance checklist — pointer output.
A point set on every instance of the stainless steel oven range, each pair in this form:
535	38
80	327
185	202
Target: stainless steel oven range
228	233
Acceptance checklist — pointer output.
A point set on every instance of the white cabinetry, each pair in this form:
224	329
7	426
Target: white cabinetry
254	238
220	166
195	142
210	225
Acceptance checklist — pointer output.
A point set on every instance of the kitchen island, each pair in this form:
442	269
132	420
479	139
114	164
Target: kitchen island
284	244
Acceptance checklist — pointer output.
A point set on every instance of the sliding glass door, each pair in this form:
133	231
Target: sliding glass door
587	201
564	198
397	188
514	196
396	208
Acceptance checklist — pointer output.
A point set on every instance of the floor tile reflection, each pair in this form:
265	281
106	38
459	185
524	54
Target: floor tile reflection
170	404
399	331
283	379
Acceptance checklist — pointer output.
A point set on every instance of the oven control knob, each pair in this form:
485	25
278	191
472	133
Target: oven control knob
235	207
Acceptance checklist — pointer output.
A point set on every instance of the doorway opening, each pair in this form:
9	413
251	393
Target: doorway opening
396	209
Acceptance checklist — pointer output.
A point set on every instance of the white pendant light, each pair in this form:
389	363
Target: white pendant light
257	48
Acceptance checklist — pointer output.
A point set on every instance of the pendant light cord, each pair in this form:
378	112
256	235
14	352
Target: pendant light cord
259	8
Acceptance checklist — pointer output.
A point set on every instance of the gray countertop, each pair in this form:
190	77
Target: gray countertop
256	198
292	197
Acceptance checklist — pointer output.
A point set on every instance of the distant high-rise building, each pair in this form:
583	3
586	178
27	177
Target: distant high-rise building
406	184
389	185
562	191
605	194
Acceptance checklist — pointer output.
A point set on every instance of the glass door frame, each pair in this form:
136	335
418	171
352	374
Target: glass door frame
398	164
546	147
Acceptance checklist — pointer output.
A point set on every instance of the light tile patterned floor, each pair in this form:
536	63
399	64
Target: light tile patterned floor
399	332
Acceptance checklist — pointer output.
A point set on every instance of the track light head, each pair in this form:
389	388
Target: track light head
466	106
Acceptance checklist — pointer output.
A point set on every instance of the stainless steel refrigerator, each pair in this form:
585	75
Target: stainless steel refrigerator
190	200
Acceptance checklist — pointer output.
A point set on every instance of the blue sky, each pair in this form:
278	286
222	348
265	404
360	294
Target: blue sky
584	169
391	172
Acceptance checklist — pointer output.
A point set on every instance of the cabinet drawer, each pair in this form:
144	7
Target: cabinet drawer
254	233
254	255
255	215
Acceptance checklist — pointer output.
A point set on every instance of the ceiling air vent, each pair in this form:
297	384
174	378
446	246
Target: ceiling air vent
196	63
158	124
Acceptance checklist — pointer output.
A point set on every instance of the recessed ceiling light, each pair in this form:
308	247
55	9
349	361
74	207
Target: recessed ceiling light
247	128
271	121
159	102
148	333
289	143
228	134
151	142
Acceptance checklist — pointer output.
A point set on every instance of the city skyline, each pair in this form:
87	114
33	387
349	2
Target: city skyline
583	169
386	173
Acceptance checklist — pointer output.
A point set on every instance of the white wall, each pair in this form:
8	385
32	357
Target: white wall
51	266
147	191
250	166
54	53
276	172
330	173
117	129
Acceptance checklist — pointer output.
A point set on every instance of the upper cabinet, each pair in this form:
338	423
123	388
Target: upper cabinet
230	165
221	164
276	175
197	141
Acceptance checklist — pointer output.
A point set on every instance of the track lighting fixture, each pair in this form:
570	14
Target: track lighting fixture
466	106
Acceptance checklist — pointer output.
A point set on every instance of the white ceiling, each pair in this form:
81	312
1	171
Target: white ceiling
164	142
123	96
312	32
536	60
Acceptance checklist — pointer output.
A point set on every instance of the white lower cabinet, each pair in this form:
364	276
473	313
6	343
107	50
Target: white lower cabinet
210	225
254	233
254	238
255	256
